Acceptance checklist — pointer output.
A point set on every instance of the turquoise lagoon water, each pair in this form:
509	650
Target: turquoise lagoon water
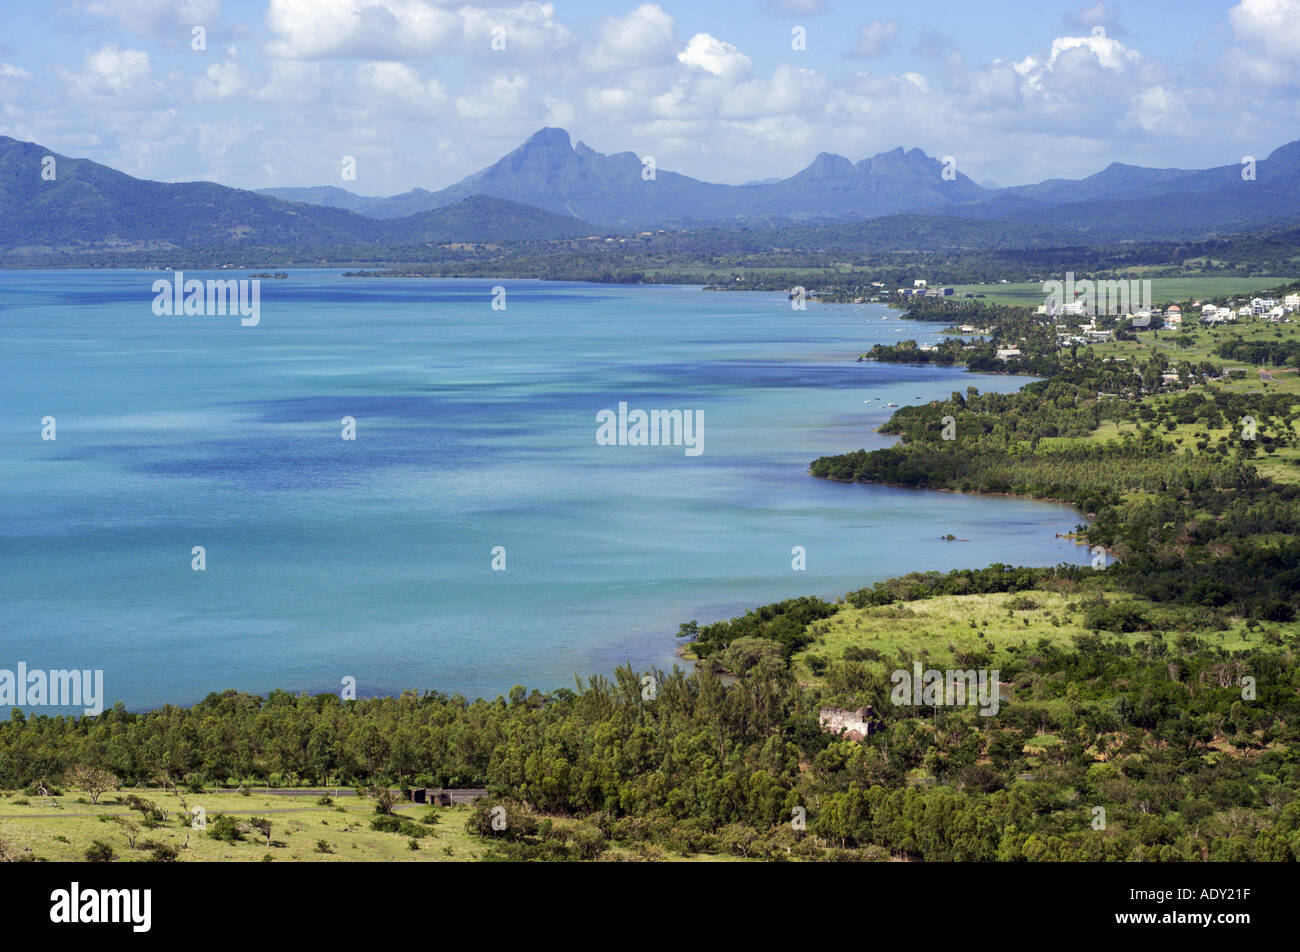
476	428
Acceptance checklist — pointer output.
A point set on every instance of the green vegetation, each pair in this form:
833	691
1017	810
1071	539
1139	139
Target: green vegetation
1162	691
238	828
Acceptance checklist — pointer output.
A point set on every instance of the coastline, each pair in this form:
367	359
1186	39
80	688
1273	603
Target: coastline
746	596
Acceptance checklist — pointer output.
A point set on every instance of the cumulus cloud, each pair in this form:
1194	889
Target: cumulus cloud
222	81
413	89
374	29
119	78
1270	27
405	29
715	56
530	27
401	88
504	98
1075	54
875	39
645	37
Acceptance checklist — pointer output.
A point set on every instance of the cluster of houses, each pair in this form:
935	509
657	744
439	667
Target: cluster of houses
1171	317
1088	333
919	289
1268	308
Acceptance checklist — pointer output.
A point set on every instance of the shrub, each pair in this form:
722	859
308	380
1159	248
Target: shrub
160	852
100	852
227	828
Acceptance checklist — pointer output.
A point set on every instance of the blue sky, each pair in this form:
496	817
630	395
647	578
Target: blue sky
414	91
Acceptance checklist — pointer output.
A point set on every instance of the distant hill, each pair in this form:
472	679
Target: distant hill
1119	202
331	196
88	207
1129	202
549	189
552	173
482	218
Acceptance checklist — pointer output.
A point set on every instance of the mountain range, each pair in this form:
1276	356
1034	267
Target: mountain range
548	188
616	191
1118	202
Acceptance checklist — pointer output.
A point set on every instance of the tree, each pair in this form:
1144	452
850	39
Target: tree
130	828
93	780
385	798
263	826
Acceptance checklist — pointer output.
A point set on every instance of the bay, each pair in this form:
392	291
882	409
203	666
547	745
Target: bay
475	428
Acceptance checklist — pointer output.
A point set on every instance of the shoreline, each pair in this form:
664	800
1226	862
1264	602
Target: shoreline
678	649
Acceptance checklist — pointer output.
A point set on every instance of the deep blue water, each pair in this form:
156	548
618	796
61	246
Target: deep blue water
475	428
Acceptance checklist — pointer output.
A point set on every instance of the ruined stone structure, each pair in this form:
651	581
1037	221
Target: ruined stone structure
853	725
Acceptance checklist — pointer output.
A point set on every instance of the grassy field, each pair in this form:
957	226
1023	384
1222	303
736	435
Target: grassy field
1196	342
1163	290
62	828
997	625
1283	465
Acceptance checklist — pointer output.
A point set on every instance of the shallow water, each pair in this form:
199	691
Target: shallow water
476	428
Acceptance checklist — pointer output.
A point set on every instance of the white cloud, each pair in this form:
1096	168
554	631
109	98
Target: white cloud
222	81
1159	109
645	37
403	29
1273	25
504	98
1108	53
715	56
376	29
121	76
400	87
527	28
414	91
1268	34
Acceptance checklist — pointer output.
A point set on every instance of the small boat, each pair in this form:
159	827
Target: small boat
893	404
